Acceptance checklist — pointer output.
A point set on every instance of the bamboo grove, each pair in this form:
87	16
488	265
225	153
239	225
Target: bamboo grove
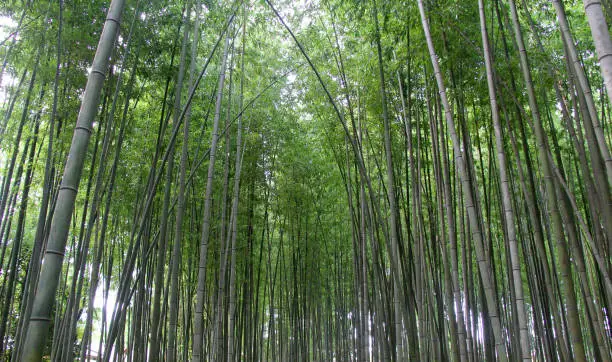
422	180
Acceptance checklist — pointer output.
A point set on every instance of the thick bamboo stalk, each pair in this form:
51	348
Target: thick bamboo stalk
54	255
